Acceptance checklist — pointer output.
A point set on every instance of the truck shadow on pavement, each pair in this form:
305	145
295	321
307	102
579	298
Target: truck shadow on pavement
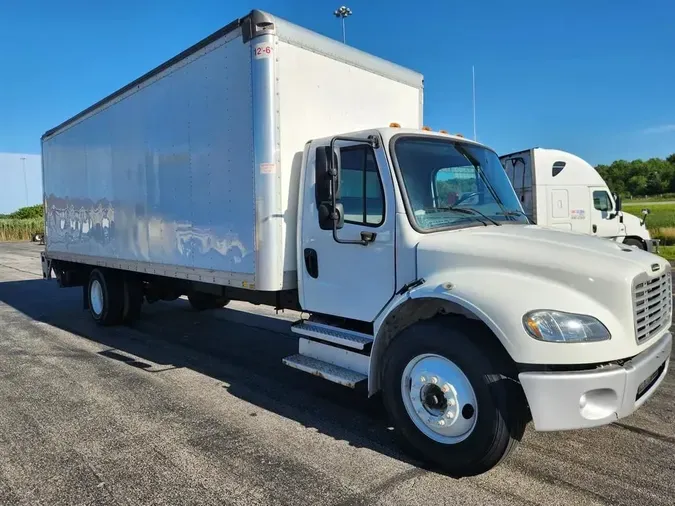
241	349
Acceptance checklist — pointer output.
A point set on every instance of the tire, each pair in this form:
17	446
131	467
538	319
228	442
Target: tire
203	301
133	298
105	297
477	438
631	241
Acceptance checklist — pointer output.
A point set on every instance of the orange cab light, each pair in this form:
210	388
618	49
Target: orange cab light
443	131
426	128
394	125
459	135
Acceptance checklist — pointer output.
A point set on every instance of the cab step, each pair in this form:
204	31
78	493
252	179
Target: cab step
336	335
322	369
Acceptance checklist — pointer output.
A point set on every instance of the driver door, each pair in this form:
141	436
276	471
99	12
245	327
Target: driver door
604	218
349	280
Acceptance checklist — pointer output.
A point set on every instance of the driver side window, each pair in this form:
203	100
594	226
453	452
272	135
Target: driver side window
454	184
601	201
361	191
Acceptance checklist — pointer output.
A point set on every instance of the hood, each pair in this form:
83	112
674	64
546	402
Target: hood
564	256
634	225
502	272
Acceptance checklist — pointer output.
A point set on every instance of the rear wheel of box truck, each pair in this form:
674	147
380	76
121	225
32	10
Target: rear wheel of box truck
105	293
451	400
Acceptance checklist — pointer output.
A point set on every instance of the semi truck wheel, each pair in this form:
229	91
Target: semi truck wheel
631	241
106	297
202	301
449	400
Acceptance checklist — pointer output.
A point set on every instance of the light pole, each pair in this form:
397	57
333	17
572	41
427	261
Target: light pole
342	13
25	182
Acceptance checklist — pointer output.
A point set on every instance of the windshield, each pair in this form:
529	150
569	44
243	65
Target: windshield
455	184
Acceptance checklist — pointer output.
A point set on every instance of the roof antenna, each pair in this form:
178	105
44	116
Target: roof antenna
473	79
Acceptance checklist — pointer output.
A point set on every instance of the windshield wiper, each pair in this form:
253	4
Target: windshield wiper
479	169
469	210
515	212
459	210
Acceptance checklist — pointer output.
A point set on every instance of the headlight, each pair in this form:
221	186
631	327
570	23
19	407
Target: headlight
558	327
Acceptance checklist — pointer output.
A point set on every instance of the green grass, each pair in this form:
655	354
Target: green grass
661	225
667	252
661	216
19	230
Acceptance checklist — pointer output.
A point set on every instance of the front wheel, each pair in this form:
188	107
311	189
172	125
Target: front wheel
452	403
630	241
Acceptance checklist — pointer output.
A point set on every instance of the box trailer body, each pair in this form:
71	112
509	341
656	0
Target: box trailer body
192	171
258	166
560	190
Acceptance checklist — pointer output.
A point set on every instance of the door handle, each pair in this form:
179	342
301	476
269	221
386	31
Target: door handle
595	228
311	262
368	237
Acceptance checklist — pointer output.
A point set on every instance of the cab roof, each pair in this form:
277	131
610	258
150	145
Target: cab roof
575	171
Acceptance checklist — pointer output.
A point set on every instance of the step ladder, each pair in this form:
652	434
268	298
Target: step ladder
338	355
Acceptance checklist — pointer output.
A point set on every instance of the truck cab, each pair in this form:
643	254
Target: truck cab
423	273
560	190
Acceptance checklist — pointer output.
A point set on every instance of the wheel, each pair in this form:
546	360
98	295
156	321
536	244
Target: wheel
451	402
105	292
202	301
631	241
133	298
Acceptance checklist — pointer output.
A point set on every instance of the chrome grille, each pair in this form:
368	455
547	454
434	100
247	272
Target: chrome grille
652	304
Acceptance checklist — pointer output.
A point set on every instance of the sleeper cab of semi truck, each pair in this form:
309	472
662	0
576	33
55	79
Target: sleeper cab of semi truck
560	190
411	246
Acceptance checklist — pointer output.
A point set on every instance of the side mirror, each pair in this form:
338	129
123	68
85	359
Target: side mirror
326	216
617	200
327	177
645	212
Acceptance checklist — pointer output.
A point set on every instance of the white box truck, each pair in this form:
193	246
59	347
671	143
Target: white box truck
258	166
560	190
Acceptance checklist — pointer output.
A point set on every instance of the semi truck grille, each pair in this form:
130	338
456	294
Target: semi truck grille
652	304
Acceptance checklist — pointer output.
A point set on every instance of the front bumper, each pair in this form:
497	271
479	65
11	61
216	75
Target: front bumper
580	399
653	245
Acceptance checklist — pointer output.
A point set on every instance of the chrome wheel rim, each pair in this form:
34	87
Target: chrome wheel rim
96	297
439	398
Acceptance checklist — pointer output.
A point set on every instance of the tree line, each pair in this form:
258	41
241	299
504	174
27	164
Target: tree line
640	178
25	213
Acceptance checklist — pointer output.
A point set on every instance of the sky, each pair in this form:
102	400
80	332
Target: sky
593	77
21	181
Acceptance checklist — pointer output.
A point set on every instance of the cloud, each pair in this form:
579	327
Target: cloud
661	129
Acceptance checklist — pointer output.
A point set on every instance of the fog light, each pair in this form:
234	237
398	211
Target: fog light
598	404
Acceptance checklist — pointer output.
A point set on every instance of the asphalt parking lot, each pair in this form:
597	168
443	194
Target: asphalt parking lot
197	408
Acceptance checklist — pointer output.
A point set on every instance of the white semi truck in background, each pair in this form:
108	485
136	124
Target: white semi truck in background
258	166
560	190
